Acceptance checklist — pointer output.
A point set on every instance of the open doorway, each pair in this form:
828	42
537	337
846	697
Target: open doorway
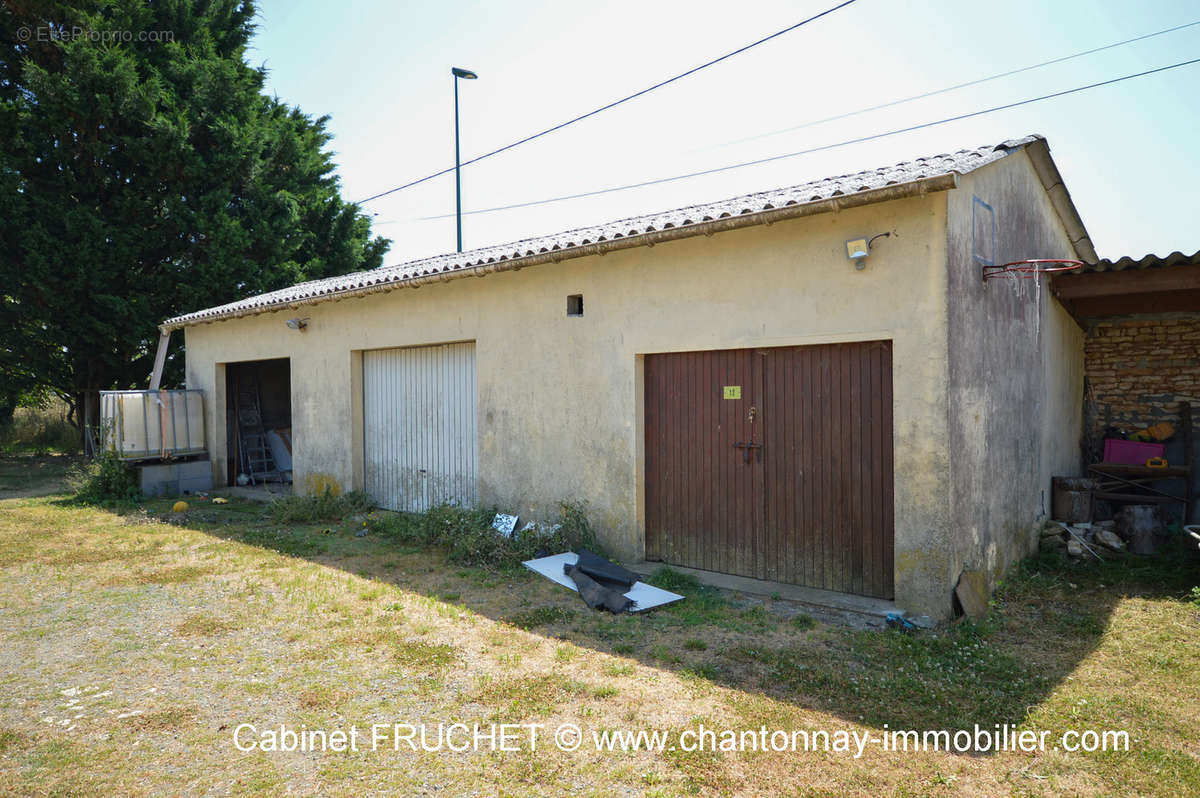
258	415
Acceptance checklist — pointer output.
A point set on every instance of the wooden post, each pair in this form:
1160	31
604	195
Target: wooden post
1185	417
160	359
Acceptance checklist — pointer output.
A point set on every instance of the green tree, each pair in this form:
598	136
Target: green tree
143	174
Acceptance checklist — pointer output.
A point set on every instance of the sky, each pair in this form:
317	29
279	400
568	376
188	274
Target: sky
381	71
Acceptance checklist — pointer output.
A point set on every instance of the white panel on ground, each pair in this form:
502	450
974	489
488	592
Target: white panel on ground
642	595
419	426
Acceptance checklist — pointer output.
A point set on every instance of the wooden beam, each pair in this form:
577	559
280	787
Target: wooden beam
1185	419
1137	498
160	359
1127	281
1127	470
1128	304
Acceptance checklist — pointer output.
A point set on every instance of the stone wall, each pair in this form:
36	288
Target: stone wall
1138	370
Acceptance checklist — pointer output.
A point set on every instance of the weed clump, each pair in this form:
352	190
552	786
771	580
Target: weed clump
104	480
468	538
317	509
803	622
700	596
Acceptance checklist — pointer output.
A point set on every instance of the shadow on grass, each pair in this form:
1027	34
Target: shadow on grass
1047	618
27	475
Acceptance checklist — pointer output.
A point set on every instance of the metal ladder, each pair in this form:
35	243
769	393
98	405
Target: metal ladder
253	447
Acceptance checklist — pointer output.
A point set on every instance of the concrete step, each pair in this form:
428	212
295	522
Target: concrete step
826	605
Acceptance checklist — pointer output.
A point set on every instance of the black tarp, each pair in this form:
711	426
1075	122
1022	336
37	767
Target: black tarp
597	595
602	584
606	573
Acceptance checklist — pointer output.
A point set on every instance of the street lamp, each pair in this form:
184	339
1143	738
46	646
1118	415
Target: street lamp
465	74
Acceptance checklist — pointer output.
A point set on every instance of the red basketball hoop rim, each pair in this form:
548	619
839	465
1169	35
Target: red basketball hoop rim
1031	269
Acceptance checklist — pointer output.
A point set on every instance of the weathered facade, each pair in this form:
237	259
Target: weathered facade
1015	361
986	379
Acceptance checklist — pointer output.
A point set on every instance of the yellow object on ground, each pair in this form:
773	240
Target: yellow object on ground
220	500
179	507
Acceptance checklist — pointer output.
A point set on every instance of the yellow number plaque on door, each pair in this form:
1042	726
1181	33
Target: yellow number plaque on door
733	392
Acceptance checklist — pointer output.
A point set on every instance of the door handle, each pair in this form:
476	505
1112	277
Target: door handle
749	446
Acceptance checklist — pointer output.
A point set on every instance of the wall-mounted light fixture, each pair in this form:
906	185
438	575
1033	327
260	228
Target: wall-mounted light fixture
297	324
857	249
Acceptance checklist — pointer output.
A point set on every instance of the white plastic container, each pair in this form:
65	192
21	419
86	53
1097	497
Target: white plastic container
147	425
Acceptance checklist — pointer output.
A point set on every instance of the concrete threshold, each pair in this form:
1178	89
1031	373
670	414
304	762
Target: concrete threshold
264	492
827	605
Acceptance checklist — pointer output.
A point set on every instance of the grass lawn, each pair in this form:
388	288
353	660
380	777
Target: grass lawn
22	477
134	642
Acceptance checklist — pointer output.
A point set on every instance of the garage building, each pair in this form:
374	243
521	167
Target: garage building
731	386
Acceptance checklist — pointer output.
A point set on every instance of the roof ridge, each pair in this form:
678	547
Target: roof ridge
823	189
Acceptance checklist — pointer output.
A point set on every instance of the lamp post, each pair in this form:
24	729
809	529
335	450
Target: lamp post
465	74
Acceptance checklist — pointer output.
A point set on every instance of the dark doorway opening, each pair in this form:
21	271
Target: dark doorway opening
258	421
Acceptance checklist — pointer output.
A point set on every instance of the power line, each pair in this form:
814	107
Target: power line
613	104
823	147
957	86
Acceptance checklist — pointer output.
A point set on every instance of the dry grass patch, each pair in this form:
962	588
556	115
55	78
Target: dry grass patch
204	626
619	669
83	556
322	697
173	575
328	635
169	575
164	719
369	637
9	738
706	772
518	697
419	656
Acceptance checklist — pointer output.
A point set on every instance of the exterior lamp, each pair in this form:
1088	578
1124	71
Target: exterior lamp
857	250
464	74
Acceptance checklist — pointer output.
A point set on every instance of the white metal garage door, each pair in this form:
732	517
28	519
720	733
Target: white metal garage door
419	434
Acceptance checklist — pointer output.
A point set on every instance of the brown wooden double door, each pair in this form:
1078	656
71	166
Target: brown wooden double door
773	463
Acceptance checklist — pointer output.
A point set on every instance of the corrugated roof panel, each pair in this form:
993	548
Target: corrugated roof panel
827	188
1146	262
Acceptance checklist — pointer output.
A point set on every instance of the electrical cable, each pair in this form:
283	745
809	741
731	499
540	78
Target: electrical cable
613	104
957	86
821	148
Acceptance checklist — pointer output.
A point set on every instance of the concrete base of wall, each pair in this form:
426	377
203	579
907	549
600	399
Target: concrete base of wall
872	610
175	479
266	492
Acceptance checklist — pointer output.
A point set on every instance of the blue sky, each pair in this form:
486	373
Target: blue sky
1128	153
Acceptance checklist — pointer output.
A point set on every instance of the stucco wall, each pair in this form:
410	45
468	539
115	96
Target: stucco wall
1016	369
559	397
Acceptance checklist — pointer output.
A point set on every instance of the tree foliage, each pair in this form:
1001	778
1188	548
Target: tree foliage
146	174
